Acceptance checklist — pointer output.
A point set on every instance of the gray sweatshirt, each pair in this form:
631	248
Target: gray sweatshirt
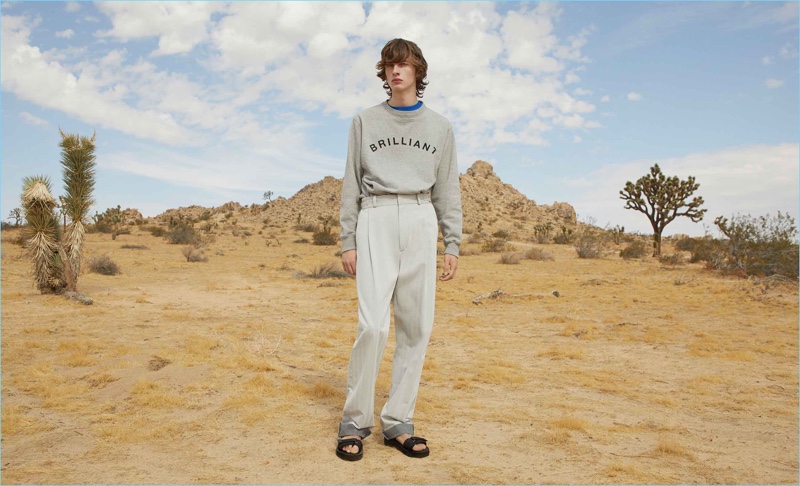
402	152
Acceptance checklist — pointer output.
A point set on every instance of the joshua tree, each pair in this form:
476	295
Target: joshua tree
57	257
661	199
16	215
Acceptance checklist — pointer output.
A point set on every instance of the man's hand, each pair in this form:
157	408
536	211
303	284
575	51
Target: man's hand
349	262
450	267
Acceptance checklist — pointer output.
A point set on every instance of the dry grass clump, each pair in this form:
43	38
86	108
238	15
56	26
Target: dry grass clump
150	394
570	423
637	249
104	265
325	270
537	254
469	251
193	254
16	421
134	247
510	258
668	446
672	259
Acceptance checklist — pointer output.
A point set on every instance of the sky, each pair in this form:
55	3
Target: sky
204	102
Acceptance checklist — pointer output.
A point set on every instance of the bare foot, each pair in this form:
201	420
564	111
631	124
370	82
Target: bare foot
417	447
351	449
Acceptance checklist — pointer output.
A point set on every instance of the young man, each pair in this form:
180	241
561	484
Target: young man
400	187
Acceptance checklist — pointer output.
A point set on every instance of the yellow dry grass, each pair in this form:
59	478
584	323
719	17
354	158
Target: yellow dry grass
624	378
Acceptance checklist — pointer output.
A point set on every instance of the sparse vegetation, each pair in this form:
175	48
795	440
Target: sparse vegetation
104	265
672	259
591	244
182	234
325	236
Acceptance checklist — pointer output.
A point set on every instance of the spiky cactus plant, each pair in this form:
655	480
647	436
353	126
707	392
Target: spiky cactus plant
42	233
56	257
78	163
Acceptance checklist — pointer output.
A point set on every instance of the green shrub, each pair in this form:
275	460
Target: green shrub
103	265
182	235
637	249
157	231
761	246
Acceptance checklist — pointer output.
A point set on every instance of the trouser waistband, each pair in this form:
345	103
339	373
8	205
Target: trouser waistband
394	199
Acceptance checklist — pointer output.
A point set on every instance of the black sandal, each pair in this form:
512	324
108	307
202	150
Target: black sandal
407	447
350	456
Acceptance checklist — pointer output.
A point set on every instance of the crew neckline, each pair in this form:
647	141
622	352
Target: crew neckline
403	113
413	107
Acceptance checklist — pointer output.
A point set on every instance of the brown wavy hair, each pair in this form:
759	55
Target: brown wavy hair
401	50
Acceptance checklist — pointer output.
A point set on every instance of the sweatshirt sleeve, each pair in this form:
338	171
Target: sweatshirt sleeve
351	187
446	196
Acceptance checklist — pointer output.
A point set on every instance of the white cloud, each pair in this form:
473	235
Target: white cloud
767	60
33	119
65	34
576	139
788	51
179	26
756	179
773	83
605	99
632	96
31	77
581	92
72	6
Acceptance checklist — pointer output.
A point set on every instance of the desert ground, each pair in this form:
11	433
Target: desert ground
233	371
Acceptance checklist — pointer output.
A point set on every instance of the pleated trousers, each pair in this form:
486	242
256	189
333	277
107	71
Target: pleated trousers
395	267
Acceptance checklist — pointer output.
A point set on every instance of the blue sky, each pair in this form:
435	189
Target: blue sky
204	103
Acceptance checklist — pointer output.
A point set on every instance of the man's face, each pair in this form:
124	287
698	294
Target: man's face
401	76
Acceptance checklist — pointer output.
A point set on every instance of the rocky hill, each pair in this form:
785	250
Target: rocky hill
488	203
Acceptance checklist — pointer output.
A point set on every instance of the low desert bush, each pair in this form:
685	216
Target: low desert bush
307	227
493	245
469	251
193	254
510	258
475	238
566	237
637	249
673	259
706	249
157	231
103	265
325	236
182	234
537	254
134	247
761	246
590	245
502	234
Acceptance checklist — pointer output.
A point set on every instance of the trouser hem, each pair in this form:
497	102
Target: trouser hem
350	429
396	431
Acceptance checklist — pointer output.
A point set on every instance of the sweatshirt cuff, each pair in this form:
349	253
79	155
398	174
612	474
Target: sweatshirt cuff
452	249
348	243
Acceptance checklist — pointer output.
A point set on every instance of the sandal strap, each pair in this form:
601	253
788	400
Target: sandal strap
348	442
412	441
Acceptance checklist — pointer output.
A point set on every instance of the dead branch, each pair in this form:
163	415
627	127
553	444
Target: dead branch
494	294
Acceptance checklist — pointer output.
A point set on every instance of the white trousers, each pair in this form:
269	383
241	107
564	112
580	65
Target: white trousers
395	264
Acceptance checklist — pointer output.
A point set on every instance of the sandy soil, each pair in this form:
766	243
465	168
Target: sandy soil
233	371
